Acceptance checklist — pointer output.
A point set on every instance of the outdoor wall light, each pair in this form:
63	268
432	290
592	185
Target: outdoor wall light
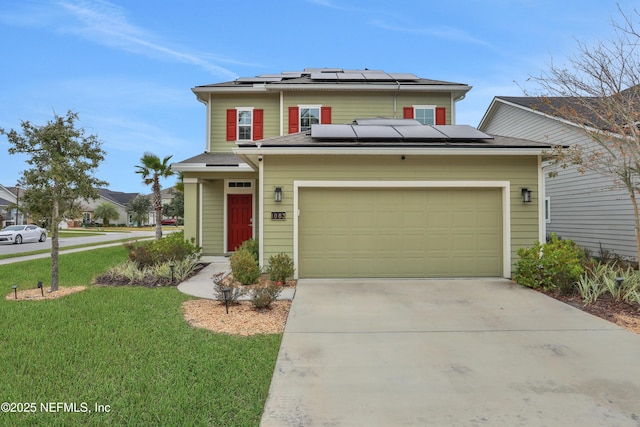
15	291
226	292
277	194
526	195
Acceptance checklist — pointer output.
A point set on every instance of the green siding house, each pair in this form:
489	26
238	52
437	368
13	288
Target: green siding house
360	173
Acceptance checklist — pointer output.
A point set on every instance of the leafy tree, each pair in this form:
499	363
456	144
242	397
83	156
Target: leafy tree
139	208
599	91
62	160
180	183
36	204
152	169
175	208
106	212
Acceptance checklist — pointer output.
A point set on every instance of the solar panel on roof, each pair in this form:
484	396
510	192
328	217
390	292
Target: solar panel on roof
377	76
332	131
419	132
258	79
462	132
377	132
350	76
323	70
324	76
403	76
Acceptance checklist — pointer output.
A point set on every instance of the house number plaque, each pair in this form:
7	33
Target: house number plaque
278	216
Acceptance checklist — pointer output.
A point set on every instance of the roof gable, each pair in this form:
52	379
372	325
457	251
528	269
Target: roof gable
116	196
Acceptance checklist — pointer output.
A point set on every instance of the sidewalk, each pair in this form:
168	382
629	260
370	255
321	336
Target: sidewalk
201	284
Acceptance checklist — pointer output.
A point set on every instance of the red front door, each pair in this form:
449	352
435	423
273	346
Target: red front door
239	215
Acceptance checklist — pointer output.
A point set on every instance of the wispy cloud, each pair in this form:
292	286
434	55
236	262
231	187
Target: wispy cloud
324	3
106	23
442	32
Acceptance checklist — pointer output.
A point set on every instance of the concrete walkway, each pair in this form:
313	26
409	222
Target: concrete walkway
201	284
449	353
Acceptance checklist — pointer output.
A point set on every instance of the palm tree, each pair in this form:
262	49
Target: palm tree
152	169
106	211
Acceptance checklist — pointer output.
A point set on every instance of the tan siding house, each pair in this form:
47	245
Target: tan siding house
359	173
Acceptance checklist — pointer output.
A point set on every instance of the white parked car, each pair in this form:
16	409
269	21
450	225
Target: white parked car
22	233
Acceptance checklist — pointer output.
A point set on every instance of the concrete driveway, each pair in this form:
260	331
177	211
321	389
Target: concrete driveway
449	353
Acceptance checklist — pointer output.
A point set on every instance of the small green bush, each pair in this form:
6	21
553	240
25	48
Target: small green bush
252	247
262	296
172	247
280	267
555	265
245	267
235	290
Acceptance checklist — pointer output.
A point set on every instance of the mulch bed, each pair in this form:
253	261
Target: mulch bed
618	312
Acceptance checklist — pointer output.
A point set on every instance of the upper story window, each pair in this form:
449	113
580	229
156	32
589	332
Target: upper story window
309	116
426	114
245	124
303	116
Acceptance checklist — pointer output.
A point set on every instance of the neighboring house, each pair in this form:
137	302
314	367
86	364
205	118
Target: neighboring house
581	207
10	196
292	160
116	198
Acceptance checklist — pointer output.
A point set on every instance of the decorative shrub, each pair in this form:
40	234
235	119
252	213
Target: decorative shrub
173	247
219	283
130	273
280	267
245	267
252	247
601	279
555	265
262	296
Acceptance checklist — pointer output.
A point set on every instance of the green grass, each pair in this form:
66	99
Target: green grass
126	347
65	233
86	245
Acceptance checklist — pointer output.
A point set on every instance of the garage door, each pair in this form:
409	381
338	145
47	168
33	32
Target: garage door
399	232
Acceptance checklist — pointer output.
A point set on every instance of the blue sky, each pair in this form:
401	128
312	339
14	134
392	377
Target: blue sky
127	67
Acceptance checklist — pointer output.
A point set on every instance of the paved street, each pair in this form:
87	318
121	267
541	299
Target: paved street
73	241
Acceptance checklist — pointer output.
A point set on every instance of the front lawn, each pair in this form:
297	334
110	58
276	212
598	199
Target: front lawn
127	350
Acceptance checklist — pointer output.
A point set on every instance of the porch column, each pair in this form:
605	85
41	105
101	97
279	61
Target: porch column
193	209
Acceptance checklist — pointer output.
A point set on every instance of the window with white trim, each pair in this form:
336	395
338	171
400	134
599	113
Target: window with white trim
245	124
309	115
425	114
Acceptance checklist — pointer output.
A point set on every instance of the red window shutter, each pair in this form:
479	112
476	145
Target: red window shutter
325	115
231	125
408	112
441	116
294	118
258	126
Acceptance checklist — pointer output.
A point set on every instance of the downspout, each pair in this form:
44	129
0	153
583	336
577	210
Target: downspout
209	124
395	100
453	110
281	113
260	211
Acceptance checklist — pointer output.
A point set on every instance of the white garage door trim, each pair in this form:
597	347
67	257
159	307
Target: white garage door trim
503	185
